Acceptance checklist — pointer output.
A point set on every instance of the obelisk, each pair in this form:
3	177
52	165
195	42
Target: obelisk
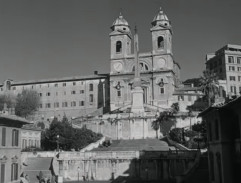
137	92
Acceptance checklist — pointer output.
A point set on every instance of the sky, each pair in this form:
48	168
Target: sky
42	39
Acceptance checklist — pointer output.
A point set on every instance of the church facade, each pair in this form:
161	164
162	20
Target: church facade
160	74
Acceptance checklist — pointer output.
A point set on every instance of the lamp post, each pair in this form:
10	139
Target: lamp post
58	143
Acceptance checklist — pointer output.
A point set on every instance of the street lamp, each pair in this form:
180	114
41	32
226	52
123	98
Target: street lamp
58	143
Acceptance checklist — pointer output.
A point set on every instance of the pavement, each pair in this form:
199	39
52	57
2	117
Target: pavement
135	145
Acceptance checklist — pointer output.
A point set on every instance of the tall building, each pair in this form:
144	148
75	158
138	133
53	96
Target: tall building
160	74
226	65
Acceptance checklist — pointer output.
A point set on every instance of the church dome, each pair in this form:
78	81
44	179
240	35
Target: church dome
120	21
161	17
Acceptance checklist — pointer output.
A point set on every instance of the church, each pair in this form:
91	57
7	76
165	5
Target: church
160	74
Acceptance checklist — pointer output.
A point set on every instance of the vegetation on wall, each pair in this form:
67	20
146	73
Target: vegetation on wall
166	120
63	134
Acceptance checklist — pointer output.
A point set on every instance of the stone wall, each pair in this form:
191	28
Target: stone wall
106	165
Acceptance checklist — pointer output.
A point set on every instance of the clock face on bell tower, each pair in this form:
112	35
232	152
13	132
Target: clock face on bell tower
118	66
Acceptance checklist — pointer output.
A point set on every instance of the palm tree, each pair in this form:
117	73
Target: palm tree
209	86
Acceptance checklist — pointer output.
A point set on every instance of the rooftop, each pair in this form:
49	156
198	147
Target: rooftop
12	120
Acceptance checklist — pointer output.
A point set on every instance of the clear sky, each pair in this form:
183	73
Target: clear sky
57	38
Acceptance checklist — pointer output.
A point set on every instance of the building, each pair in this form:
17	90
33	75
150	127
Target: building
70	96
224	141
10	147
226	65
159	72
30	137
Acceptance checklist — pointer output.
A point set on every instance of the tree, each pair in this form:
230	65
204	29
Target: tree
26	103
166	119
68	137
209	86
6	100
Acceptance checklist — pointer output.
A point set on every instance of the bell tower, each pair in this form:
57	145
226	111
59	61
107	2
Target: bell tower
161	34
120	39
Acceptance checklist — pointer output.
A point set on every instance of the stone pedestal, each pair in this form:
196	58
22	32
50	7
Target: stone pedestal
137	100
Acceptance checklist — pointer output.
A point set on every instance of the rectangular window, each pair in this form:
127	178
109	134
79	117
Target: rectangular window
162	90
230	60
48	94
91	98
14	171
231	68
232	78
180	98
81	103
239	78
40	94
233	89
73	92
239	60
56	105
64	104
56	84
240	90
2	173
82	91
3	136
119	93
64	84
73	104
15	137
48	105
239	69
74	83
91	87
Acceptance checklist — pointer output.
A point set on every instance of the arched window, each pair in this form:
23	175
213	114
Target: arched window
142	67
118	46
160	42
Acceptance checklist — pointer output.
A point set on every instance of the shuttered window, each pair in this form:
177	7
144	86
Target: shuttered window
2	173
14	171
15	135
3	136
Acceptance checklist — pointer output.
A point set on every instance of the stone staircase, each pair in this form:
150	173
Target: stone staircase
201	174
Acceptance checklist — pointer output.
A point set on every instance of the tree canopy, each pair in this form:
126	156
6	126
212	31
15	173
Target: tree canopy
68	137
26	103
166	120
